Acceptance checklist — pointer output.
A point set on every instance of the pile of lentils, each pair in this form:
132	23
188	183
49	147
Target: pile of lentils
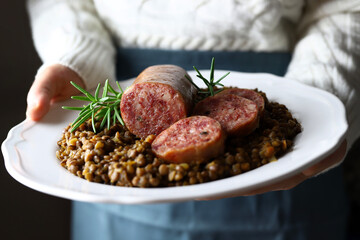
115	156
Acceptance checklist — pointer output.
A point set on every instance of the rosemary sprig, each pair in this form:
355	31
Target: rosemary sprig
106	107
211	83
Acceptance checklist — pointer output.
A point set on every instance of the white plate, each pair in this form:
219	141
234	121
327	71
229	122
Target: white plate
29	150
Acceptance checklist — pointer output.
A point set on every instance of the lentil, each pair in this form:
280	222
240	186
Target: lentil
117	157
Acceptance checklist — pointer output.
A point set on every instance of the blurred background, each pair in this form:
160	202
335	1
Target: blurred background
28	214
25	213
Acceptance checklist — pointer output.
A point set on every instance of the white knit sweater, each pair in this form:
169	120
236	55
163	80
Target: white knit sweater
324	36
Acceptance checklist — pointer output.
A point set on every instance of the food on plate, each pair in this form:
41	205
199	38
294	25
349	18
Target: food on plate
115	156
234	136
192	139
160	96
238	116
249	94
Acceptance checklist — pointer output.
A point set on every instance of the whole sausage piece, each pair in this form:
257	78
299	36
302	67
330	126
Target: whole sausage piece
192	139
160	96
248	94
237	115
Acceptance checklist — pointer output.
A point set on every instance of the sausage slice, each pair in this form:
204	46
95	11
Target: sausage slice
248	94
160	96
196	138
237	115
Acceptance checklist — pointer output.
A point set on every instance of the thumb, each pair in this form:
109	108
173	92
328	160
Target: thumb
39	98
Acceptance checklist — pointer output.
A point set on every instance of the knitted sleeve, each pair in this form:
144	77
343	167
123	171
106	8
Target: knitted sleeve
69	32
328	54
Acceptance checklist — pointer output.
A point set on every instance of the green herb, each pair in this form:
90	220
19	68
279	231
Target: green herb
106	107
211	83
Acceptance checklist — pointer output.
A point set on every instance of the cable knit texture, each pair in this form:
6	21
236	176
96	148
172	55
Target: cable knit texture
322	33
327	54
203	24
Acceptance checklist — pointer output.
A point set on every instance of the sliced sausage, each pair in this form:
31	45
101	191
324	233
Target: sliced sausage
237	115
196	139
160	96
248	94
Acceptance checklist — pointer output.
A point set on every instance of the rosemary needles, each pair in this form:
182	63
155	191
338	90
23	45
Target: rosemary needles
105	108
211	83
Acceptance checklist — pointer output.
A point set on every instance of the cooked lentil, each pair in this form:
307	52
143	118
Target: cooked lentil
115	156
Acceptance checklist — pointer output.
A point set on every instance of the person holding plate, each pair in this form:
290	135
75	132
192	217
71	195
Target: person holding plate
313	42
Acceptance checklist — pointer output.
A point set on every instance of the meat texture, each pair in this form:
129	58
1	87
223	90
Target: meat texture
193	139
237	115
248	94
160	96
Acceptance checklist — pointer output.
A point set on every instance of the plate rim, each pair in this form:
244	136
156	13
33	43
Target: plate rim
10	151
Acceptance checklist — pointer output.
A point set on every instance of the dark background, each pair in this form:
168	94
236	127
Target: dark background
28	214
25	213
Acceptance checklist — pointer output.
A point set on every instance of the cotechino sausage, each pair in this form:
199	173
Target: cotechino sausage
248	94
160	96
196	139
237	115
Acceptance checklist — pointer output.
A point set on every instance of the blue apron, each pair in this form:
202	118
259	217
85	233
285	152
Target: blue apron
316	209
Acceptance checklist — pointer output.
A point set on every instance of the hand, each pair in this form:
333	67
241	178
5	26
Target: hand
331	160
51	85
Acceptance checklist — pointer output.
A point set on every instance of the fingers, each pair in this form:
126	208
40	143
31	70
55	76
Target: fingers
334	158
51	85
282	185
